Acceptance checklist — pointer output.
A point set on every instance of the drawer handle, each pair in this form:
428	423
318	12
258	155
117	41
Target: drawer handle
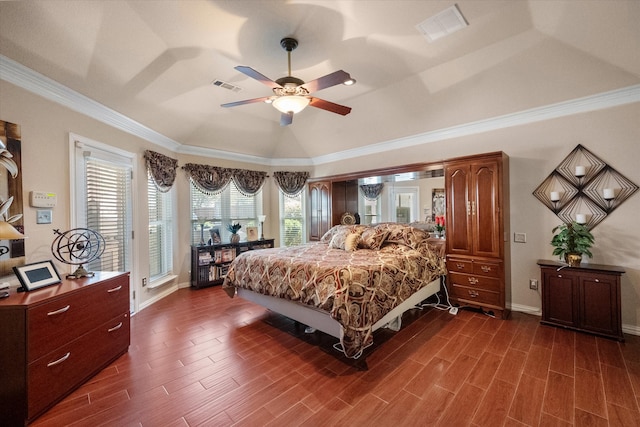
597	280
460	266
59	311
473	294
116	289
115	328
485	268
59	361
473	280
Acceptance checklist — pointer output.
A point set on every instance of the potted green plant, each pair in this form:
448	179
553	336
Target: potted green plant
233	228
571	241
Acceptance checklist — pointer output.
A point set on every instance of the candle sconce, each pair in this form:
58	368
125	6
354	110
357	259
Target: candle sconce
583	184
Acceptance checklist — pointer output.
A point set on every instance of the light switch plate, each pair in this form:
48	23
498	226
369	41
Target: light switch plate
44	216
520	237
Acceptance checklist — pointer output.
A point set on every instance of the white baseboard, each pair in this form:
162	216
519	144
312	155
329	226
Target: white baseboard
631	329
525	309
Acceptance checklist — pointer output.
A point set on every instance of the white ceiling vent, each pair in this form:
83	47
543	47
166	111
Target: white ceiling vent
226	85
444	23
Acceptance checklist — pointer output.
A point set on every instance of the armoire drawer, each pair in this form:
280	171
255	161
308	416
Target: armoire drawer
60	371
61	320
476	295
475	281
460	265
491	269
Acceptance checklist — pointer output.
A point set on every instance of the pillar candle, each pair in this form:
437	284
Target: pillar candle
609	193
555	196
581	218
581	171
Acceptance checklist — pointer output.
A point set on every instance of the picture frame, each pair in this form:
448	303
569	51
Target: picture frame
37	275
252	234
215	236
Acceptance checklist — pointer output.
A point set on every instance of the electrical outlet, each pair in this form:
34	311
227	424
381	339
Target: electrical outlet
144	281
533	284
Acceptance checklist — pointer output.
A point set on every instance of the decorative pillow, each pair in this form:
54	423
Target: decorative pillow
373	237
341	237
356	228
351	242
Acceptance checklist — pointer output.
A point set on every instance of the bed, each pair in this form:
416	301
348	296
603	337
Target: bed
355	280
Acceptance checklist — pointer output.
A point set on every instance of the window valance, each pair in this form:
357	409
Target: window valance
372	191
162	170
291	183
213	180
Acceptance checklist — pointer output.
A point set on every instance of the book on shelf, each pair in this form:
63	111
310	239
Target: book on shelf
228	254
204	258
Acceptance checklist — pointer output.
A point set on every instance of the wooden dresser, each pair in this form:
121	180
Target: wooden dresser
477	191
585	298
55	338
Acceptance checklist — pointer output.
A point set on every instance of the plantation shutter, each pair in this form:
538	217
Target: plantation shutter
107	210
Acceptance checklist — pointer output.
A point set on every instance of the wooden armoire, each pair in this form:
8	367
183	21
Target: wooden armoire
328	201
477	191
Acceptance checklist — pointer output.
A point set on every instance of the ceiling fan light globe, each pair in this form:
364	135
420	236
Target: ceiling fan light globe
291	103
349	82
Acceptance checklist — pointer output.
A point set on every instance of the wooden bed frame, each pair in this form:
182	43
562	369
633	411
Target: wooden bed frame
322	321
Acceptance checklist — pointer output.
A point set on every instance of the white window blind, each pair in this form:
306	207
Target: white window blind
160	231
292	219
216	212
107	210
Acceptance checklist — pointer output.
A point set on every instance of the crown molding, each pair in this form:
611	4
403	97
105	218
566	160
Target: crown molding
599	101
24	77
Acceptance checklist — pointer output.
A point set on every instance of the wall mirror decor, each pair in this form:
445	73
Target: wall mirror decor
583	188
11	220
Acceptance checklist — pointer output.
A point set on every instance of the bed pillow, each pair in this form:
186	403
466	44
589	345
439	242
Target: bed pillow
373	238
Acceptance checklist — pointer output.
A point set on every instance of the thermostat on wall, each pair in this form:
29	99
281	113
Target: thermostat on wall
42	199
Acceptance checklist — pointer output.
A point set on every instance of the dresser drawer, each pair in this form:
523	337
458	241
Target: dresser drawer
54	375
460	265
491	269
61	320
475	281
476	295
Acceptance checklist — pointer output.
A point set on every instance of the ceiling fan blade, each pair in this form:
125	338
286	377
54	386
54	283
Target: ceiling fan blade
330	106
286	119
258	76
246	101
335	78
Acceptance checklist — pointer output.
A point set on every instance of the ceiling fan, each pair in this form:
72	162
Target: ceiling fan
292	94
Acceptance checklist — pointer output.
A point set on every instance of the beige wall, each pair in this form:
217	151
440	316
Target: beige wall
534	150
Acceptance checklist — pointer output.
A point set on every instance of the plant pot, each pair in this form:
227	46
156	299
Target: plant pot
235	238
573	260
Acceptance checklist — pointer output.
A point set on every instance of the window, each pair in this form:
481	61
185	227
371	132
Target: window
210	213
160	231
292	219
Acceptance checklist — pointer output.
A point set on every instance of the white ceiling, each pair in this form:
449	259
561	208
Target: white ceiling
154	61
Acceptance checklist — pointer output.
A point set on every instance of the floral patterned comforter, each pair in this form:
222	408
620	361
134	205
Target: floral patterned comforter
356	287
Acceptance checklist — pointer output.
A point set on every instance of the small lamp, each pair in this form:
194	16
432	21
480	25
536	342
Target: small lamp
262	218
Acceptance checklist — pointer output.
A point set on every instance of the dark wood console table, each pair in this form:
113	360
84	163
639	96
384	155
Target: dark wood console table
585	298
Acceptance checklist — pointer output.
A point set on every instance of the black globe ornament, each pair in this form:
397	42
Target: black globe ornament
78	246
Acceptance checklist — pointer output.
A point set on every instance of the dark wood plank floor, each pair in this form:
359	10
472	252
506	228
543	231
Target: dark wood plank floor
198	358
